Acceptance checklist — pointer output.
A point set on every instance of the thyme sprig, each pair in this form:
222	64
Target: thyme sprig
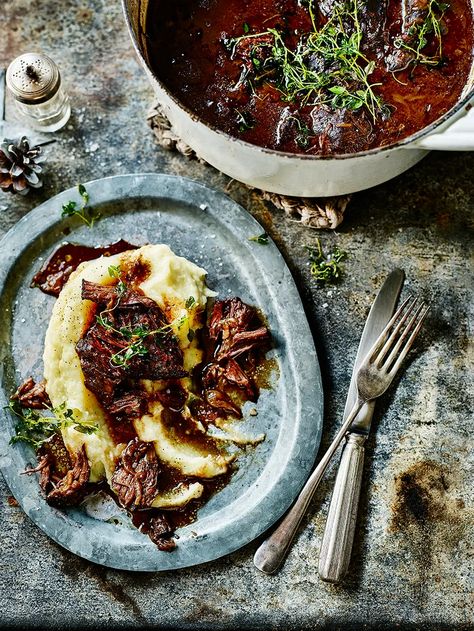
135	338
419	35
34	428
262	239
86	213
326	67
325	269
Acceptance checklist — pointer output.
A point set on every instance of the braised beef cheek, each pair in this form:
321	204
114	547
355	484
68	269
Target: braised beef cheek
327	77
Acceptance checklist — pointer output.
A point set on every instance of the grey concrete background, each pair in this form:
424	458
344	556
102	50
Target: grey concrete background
412	563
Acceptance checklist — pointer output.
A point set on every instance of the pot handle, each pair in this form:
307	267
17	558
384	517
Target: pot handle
457	136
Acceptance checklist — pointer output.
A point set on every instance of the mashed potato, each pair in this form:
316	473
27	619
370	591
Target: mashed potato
170	283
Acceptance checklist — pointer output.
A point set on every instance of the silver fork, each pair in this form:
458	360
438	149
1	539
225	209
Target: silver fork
376	373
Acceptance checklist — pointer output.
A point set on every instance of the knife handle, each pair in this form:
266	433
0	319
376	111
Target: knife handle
338	535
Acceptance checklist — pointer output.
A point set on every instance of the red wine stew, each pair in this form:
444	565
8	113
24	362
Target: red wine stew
309	76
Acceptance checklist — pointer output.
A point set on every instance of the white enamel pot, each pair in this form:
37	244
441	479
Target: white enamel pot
303	175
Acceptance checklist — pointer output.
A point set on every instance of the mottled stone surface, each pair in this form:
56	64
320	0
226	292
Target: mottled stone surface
412	565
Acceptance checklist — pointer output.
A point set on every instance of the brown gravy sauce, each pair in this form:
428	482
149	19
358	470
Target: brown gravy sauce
186	51
55	272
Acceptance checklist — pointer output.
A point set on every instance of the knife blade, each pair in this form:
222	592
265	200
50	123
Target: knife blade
339	533
380	313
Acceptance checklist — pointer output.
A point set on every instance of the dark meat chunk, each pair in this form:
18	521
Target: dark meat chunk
245	341
341	130
32	395
105	294
162	357
58	456
135	479
228	373
372	17
230	328
173	397
161	533
221	401
414	13
95	350
204	412
253	51
63	483
100	294
129	406
71	489
44	469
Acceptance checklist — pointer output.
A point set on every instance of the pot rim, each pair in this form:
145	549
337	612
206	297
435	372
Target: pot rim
404	142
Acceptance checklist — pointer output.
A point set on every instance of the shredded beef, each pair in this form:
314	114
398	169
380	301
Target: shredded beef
221	401
32	395
163	358
161	533
129	406
135	479
72	488
230	328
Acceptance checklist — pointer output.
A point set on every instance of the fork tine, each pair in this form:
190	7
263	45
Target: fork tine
381	338
409	327
389	342
409	342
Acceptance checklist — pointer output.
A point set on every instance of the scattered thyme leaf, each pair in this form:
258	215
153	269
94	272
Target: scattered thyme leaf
136	338
260	238
245	27
244	121
325	269
85	212
34	428
190	302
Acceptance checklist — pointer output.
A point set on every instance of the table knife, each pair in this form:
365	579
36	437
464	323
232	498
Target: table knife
340	525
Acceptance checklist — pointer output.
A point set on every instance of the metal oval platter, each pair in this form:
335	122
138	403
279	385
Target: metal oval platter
213	231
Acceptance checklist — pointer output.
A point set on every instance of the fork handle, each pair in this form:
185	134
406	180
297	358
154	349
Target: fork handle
272	552
338	535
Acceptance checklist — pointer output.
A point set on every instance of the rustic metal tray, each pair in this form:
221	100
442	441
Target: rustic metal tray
213	231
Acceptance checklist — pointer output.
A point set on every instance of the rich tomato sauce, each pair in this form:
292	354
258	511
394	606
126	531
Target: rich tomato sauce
186	51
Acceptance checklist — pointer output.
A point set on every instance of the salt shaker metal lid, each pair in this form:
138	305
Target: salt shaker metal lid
33	78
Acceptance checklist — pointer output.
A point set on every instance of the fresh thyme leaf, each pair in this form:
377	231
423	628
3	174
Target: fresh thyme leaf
34	428
135	338
327	66
85	213
244	121
245	27
114	271
261	238
325	269
190	302
303	133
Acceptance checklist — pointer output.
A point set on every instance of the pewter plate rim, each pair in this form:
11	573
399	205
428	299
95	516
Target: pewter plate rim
297	439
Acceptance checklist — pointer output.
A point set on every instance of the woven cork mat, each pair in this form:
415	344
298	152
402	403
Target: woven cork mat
319	213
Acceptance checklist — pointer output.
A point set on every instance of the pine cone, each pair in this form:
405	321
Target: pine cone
19	166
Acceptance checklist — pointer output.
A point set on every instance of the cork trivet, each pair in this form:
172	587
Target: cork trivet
320	213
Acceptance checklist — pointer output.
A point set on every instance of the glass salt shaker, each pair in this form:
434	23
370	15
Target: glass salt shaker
35	83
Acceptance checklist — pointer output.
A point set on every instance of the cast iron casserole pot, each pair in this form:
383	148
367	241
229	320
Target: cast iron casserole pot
295	174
